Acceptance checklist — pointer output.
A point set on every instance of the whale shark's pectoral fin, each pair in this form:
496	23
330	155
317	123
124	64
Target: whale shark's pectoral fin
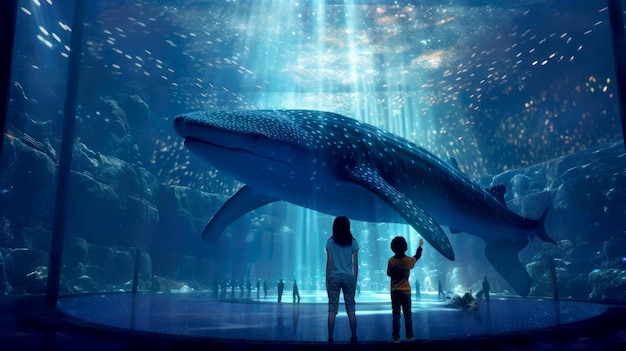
421	221
503	256
245	200
498	192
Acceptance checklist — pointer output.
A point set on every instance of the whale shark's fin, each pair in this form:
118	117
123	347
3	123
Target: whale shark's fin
245	200
498	192
421	221
503	255
455	231
541	231
452	162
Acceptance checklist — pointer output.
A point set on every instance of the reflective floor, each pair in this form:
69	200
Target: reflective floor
197	319
198	315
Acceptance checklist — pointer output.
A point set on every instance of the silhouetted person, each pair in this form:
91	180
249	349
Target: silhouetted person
440	288
342	271
281	287
264	289
486	288
216	287
249	286
223	286
398	268
296	293
258	288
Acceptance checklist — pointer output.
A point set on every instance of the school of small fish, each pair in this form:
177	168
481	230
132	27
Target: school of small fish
495	85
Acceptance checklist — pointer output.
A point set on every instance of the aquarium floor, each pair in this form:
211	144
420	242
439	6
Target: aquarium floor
174	321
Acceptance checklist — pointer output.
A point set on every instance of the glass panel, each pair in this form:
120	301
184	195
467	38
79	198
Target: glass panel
520	93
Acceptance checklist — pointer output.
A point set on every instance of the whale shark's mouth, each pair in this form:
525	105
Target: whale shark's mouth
193	143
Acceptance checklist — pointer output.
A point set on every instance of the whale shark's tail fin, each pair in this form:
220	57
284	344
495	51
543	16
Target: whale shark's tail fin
503	256
541	231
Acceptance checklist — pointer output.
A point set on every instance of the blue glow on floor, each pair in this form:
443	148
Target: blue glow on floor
197	314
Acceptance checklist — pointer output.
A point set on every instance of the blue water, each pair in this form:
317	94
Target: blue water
498	86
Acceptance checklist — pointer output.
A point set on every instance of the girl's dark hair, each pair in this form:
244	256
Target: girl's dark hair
342	235
398	245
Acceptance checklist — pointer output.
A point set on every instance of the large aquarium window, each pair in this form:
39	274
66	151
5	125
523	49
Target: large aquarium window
497	120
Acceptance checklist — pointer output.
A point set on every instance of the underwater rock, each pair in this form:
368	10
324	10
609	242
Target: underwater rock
28	182
122	268
577	287
263	223
536	269
17	101
5	286
583	258
21	122
572	261
86	283
74	272
35	236
138	116
109	267
7	237
542	284
36	281
587	194
541	287
615	249
103	127
124	282
540	275
20	262
115	172
99	263
145	271
106	187
205	270
608	284
161	284
186	269
531	205
137	112
75	251
184	212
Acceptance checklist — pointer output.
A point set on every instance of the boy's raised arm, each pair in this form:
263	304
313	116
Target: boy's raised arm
418	252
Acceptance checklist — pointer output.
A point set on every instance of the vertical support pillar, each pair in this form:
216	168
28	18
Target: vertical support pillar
555	287
616	20
65	160
8	15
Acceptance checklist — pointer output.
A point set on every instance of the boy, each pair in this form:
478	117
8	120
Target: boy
398	268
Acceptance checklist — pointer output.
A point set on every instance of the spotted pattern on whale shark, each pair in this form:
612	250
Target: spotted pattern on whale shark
338	165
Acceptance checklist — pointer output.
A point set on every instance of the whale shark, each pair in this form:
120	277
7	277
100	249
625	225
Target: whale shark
335	164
